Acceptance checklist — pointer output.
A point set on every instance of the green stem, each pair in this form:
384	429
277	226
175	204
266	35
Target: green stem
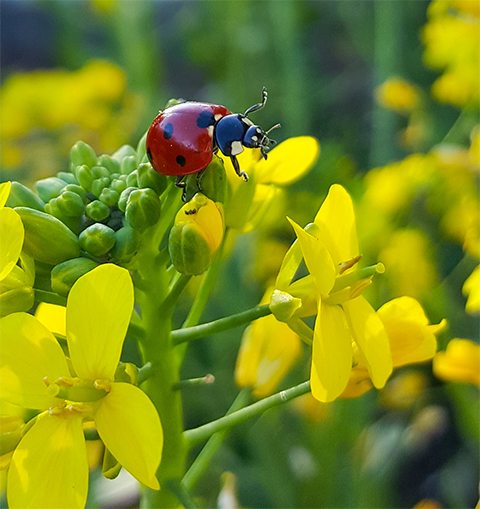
145	372
220	325
203	460
176	290
196	435
50	297
189	382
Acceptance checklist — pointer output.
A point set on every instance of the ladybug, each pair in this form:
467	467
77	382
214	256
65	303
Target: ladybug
183	138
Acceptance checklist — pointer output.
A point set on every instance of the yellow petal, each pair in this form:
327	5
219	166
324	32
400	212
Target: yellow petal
53	317
331	355
4	193
99	308
471	288
336	219
289	267
288	161
459	363
248	358
29	352
371	338
317	258
130	428
49	466
12	234
411	339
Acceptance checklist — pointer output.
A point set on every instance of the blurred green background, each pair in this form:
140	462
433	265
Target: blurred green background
101	70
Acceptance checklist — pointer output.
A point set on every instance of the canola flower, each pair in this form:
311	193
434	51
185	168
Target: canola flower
398	95
471	289
459	363
12	233
344	318
49	466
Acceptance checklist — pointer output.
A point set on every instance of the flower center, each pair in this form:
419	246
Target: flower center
76	391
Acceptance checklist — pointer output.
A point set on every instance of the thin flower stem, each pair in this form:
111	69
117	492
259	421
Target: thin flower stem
181	492
50	297
220	325
203	460
176	291
196	435
145	372
189	382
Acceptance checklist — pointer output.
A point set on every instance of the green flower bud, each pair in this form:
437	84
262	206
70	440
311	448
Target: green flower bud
118	185
97	210
71	204
69	178
283	305
49	188
84	176
132	179
142	149
213	182
77	190
123	152
47	239
126	244
143	209
65	274
123	200
127	372
97	239
100	171
83	154
112	165
148	177
109	196
129	164
21	196
99	185
52	208
17	299
196	235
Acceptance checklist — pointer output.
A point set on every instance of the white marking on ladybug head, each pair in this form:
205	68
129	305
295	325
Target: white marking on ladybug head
237	148
210	131
217	117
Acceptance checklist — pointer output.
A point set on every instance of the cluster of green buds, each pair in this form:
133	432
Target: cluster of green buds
93	214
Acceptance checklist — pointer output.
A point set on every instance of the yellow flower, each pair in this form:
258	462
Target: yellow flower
345	320
398	94
471	289
269	349
459	363
49	466
411	338
53	317
286	163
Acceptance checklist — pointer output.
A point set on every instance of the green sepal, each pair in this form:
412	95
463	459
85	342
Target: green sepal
65	274
47	239
123	152
148	177
97	239
83	154
53	209
143	209
18	299
111	164
74	188
213	181
189	250
127	372
110	467
84	176
123	200
100	171
97	210
132	179
126	243
49	188
67	177
109	196
129	164
118	185
70	203
21	196
99	184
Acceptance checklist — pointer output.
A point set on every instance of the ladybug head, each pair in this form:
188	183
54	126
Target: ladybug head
256	137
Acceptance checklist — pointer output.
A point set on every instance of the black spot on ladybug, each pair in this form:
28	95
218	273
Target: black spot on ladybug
205	119
190	212
149	155
168	131
181	161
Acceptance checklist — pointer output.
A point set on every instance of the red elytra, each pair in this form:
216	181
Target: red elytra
180	139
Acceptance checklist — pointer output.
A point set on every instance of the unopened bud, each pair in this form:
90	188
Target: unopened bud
49	188
109	196
65	274
21	196
148	177
128	165
99	185
97	210
283	305
126	243
143	209
69	178
111	164
83	154
84	176
123	200
123	152
132	179
71	204
97	239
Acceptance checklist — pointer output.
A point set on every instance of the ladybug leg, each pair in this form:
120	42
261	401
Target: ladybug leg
258	106
237	169
198	178
181	184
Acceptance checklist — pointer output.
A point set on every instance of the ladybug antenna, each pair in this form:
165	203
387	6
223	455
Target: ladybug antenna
276	126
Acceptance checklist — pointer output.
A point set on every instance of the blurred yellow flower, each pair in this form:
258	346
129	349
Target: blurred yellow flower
452	43
398	94
286	163
268	351
34	373
404	390
459	363
471	289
